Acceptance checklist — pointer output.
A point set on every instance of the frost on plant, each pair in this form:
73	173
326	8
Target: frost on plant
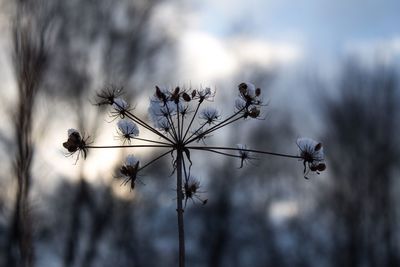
127	130
312	154
210	115
178	122
129	170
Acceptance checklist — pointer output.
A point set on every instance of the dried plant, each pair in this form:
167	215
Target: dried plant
173	114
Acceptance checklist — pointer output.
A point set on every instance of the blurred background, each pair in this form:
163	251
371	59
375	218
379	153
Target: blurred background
329	70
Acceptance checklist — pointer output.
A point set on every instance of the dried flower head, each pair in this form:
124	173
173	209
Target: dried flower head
249	101
120	108
250	93
75	143
210	115
191	190
127	129
108	95
175	95
203	94
129	170
201	135
243	154
163	124
252	112
312	154
186	97
240	104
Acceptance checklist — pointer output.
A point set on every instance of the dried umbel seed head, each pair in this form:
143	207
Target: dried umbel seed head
186	97
121	108
75	143
175	95
107	96
310	150
243	89
258	92
205	94
201	135
243	154
248	91
312	154
318	147
176	91
318	167
254	112
160	95
210	115
130	170
249	101
127	130
191	191
191	188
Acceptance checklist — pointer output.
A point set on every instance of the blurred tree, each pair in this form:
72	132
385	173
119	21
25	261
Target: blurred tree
30	60
66	49
361	132
236	227
99	42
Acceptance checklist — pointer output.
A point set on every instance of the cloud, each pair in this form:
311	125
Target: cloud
265	53
385	51
206	57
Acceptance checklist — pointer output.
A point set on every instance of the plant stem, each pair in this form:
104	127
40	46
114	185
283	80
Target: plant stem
179	199
191	121
226	121
213	148
123	146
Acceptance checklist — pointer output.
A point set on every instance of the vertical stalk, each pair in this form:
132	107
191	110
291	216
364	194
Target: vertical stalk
179	199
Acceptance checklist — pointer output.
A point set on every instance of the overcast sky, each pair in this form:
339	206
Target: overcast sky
327	26
299	38
314	31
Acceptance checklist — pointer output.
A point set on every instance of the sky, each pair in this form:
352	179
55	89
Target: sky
314	32
304	41
295	36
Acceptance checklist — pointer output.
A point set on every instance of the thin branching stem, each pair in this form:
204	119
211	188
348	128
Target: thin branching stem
191	138
134	118
171	123
208	131
191	121
124	146
155	159
137	120
182	126
165	137
219	152
150	141
244	150
172	132
179	124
